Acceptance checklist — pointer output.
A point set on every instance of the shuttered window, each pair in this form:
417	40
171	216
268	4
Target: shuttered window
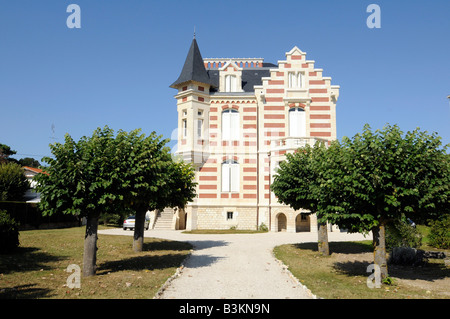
230	83
230	125
297	122
230	176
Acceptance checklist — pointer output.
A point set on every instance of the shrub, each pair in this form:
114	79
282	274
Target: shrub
13	183
440	233
401	234
9	233
263	227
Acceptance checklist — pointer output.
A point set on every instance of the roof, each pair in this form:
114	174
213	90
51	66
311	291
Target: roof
34	170
194	68
250	77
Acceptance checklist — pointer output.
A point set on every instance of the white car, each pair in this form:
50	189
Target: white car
130	221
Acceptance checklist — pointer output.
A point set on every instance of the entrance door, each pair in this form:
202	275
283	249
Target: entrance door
282	222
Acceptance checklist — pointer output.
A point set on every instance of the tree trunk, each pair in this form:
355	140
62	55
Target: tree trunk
379	249
138	238
90	246
323	246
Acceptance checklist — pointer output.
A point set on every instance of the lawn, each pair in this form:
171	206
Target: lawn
38	268
342	275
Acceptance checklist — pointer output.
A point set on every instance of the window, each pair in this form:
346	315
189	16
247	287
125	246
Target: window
297	122
199	128
230	176
184	127
229	215
230	125
230	83
295	79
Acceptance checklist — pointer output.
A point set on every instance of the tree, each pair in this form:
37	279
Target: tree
297	184
104	174
151	179
143	167
82	180
13	183
5	153
29	161
377	177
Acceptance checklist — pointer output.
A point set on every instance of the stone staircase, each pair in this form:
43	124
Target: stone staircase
164	219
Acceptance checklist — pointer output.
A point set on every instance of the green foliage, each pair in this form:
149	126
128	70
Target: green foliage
29	161
400	233
297	182
439	236
9	233
13	183
379	176
5	153
81	177
263	227
113	174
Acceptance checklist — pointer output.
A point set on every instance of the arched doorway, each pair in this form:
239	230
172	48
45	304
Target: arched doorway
281	222
302	223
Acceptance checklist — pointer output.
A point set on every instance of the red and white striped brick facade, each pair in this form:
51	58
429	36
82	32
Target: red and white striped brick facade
263	139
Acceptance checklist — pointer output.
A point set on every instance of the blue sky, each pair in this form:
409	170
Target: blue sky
116	69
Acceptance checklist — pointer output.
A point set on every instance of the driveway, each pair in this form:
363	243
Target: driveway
235	266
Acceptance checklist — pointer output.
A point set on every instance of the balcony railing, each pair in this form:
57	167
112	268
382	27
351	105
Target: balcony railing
294	142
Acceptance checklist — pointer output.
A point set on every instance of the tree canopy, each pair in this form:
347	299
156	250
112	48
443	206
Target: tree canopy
108	173
363	183
378	177
13	183
298	184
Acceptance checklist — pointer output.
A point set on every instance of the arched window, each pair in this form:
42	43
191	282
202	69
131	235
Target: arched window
230	176
297	122
230	125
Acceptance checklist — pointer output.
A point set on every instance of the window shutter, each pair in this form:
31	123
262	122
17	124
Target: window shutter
234	177
234	127
301	122
233	84
293	123
226	125
225	177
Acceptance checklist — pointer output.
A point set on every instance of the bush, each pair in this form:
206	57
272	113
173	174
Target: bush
401	234
13	183
440	233
9	233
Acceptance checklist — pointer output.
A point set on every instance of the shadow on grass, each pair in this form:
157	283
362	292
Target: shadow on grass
24	292
27	259
339	247
142	263
166	245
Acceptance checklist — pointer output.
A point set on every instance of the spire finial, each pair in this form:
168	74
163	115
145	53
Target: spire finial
194	31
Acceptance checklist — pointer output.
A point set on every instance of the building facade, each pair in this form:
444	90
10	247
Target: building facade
237	118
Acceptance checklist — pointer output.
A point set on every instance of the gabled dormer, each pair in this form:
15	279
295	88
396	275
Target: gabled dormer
230	77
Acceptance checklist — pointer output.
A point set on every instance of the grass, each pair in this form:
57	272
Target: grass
342	275
38	268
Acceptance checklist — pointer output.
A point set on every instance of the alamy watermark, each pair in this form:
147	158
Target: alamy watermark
374	19
74	280
74	19
374	279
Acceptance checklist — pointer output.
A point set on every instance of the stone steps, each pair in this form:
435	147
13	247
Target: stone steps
164	219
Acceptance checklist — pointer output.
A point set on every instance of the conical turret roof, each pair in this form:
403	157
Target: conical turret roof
194	68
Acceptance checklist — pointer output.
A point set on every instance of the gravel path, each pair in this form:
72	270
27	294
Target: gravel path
236	266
